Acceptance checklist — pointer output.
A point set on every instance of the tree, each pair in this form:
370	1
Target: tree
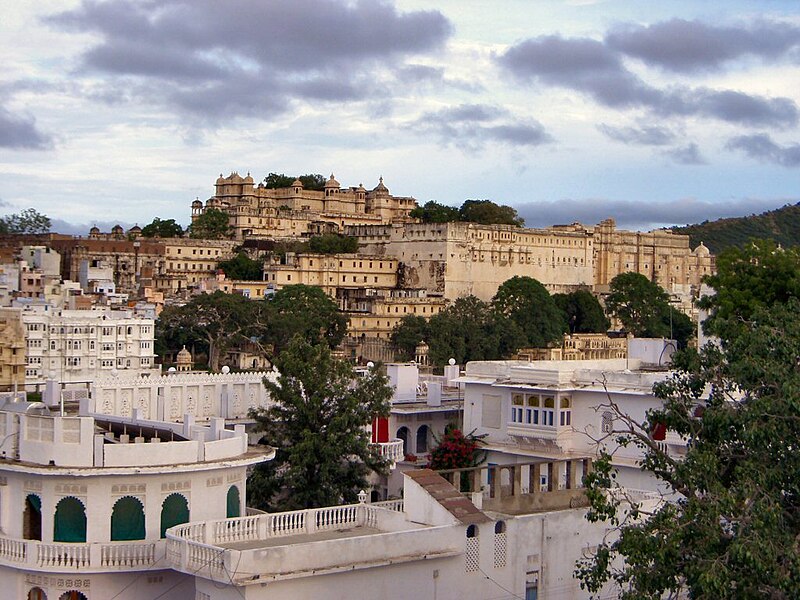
643	308
527	303
213	224
242	268
166	229
332	243
582	312
275	181
28	221
469	330
732	528
487	212
319	426
407	334
757	275
306	311
313	181
433	212
217	321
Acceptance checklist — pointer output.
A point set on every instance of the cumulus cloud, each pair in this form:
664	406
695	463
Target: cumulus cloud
690	46
646	135
762	147
593	68
687	155
21	133
642	214
472	125
203	55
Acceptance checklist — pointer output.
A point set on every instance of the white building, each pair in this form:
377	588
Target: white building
78	346
85	502
421	408
546	410
435	543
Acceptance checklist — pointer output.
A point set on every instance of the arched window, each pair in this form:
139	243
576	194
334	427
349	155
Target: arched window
127	520
472	531
422	439
70	521
174	511
72	595
402	434
32	518
36	594
233	503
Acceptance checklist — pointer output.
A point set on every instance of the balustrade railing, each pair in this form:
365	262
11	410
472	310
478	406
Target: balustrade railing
66	556
391	451
35	555
127	555
395	505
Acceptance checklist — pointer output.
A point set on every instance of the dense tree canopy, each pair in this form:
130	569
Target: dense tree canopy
407	335
489	213
732	529
582	312
217	322
332	243
643	308
319	425
485	212
433	212
306	311
528	304
162	228
757	275
242	268
213	224
469	330
28	221
310	182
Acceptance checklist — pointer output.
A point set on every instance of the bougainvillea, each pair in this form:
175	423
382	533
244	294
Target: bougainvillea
457	451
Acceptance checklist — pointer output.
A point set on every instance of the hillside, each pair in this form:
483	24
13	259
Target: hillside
781	225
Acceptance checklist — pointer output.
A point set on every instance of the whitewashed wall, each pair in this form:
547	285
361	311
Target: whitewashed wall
169	397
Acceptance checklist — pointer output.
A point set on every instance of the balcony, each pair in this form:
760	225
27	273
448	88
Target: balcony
59	557
391	451
275	546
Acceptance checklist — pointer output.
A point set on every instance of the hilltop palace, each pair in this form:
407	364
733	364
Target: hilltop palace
451	259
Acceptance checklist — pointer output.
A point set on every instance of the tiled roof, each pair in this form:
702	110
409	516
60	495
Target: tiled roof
445	494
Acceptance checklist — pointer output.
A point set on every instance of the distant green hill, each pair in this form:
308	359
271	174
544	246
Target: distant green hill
781	225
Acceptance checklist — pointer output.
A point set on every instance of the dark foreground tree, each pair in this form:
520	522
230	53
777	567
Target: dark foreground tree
732	528
582	312
407	334
319	424
306	311
469	330
643	308
215	322
527	303
28	221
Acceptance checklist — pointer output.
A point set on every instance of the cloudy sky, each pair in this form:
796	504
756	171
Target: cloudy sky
653	113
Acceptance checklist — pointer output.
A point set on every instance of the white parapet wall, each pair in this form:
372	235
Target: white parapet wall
169	397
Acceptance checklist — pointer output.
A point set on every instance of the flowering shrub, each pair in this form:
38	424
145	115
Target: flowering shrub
457	451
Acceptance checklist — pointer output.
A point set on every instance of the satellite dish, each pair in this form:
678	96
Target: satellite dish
452	361
370	364
226	369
